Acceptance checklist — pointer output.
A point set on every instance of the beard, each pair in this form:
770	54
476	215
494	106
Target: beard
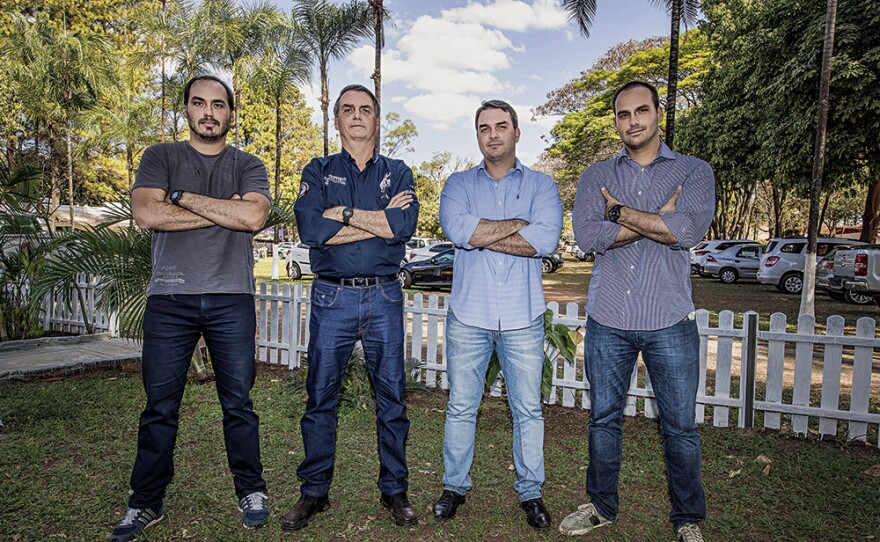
217	134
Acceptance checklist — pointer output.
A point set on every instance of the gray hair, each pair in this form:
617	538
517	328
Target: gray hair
357	88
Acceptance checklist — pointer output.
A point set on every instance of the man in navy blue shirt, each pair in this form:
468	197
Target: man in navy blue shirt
356	210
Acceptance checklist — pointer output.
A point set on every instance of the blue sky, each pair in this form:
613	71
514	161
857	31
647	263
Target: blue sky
442	58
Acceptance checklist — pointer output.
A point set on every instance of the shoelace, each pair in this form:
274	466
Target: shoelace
130	516
255	501
690	533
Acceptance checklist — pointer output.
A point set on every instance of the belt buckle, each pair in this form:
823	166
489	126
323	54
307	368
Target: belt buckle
359	281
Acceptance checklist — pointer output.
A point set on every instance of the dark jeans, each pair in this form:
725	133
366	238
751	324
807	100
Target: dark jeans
341	315
172	327
671	356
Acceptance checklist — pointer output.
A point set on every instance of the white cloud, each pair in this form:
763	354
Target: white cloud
513	15
444	110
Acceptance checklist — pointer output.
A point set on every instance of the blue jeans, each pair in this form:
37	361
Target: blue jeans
671	356
172	327
521	353
342	315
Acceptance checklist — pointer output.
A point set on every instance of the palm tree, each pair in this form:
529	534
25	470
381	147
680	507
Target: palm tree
583	12
378	14
329	32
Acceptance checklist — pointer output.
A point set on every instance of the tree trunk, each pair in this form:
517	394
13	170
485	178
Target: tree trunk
809	289
672	80
325	105
69	139
378	30
278	160
871	217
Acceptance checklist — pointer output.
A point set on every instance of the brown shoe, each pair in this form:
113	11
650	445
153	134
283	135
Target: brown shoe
306	507
401	510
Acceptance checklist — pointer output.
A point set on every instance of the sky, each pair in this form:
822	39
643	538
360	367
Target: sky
442	58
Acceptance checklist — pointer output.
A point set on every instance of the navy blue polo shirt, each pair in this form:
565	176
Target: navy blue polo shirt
335	180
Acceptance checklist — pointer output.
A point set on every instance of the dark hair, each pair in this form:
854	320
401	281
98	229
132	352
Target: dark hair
358	88
230	97
633	84
496	104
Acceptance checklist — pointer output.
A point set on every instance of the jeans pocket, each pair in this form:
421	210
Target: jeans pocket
324	295
392	291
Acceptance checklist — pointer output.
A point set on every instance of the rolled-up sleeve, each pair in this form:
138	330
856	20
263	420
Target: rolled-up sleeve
314	229
694	209
403	222
591	231
545	225
457	223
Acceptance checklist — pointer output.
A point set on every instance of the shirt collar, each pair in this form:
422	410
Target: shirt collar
350	160
517	166
665	153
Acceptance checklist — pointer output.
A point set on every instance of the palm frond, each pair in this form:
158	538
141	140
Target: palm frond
581	12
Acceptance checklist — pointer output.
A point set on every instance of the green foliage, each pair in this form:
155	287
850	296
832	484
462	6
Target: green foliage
397	135
430	176
558	341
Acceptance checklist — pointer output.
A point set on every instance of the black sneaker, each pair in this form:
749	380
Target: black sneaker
254	511
134	523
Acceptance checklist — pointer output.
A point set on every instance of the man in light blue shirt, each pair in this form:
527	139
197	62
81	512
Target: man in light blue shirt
502	217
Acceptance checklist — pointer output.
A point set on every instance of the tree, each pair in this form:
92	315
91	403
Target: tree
398	135
430	176
378	14
583	12
329	32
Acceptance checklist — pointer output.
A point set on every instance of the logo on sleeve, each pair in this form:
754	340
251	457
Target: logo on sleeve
334	179
303	189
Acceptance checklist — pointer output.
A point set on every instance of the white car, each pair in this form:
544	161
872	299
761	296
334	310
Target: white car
783	262
704	248
420	254
297	261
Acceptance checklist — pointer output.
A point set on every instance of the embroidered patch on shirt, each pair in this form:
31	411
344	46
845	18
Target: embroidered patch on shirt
303	189
335	180
385	184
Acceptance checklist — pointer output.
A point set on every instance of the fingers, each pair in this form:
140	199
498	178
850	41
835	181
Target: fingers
235	196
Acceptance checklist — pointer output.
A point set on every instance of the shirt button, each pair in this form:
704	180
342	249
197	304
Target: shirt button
627	292
632	267
640	192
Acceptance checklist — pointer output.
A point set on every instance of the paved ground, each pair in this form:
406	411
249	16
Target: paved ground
20	359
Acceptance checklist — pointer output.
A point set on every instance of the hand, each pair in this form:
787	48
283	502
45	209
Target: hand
334	213
235	196
669	206
401	201
610	201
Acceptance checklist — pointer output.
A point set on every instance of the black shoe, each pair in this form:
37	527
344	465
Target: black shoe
447	505
537	515
401	510
306	507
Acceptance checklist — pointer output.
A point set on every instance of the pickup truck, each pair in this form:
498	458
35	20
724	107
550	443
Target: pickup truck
859	269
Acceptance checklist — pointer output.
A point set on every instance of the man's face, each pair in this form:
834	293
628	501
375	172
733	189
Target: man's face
637	121
496	135
356	120
207	111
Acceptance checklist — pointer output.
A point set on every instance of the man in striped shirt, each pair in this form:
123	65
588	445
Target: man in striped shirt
502	217
640	212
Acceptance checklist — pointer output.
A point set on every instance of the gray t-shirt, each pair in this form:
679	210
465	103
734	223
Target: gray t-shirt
207	260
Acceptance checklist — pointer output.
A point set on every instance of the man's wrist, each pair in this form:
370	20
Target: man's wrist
614	212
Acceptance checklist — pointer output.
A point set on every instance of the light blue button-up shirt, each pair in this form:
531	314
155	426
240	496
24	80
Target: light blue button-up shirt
493	290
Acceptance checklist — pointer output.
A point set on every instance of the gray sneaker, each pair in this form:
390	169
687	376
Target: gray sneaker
134	523
583	521
689	532
254	511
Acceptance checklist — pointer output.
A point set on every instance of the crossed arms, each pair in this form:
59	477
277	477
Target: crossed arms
152	210
366	224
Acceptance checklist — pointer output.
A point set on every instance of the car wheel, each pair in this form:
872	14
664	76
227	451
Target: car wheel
728	275
405	278
857	298
792	283
293	271
589	257
546	266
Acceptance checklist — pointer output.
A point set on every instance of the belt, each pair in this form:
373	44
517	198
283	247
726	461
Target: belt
359	282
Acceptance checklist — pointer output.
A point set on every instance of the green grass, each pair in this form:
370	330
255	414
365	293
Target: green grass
67	447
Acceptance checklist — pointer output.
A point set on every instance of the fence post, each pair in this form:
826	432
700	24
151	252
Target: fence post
750	366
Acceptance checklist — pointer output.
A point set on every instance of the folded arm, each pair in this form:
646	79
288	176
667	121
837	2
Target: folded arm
240	213
152	211
489	232
369	223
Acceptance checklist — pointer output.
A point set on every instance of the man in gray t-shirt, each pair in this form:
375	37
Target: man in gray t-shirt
203	200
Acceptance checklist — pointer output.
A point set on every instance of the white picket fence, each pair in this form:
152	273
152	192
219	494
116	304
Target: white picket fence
797	382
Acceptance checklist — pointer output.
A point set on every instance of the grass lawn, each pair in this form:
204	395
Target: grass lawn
67	445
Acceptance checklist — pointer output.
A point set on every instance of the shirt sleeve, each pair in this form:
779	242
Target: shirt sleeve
314	229
254	178
545	224
694	209
153	169
457	223
591	231
403	222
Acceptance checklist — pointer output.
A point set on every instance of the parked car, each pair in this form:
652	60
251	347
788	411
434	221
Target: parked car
583	256
297	261
420	242
734	263
425	253
859	270
827	282
783	262
699	252
435	271
549	264
285	248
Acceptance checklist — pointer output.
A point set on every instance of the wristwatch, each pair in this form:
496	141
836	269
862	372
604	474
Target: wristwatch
346	215
614	213
175	197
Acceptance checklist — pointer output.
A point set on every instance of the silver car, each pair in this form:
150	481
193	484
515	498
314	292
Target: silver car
783	262
734	263
833	286
704	248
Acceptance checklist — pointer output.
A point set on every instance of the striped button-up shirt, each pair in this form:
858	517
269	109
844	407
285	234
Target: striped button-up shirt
644	285
493	290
